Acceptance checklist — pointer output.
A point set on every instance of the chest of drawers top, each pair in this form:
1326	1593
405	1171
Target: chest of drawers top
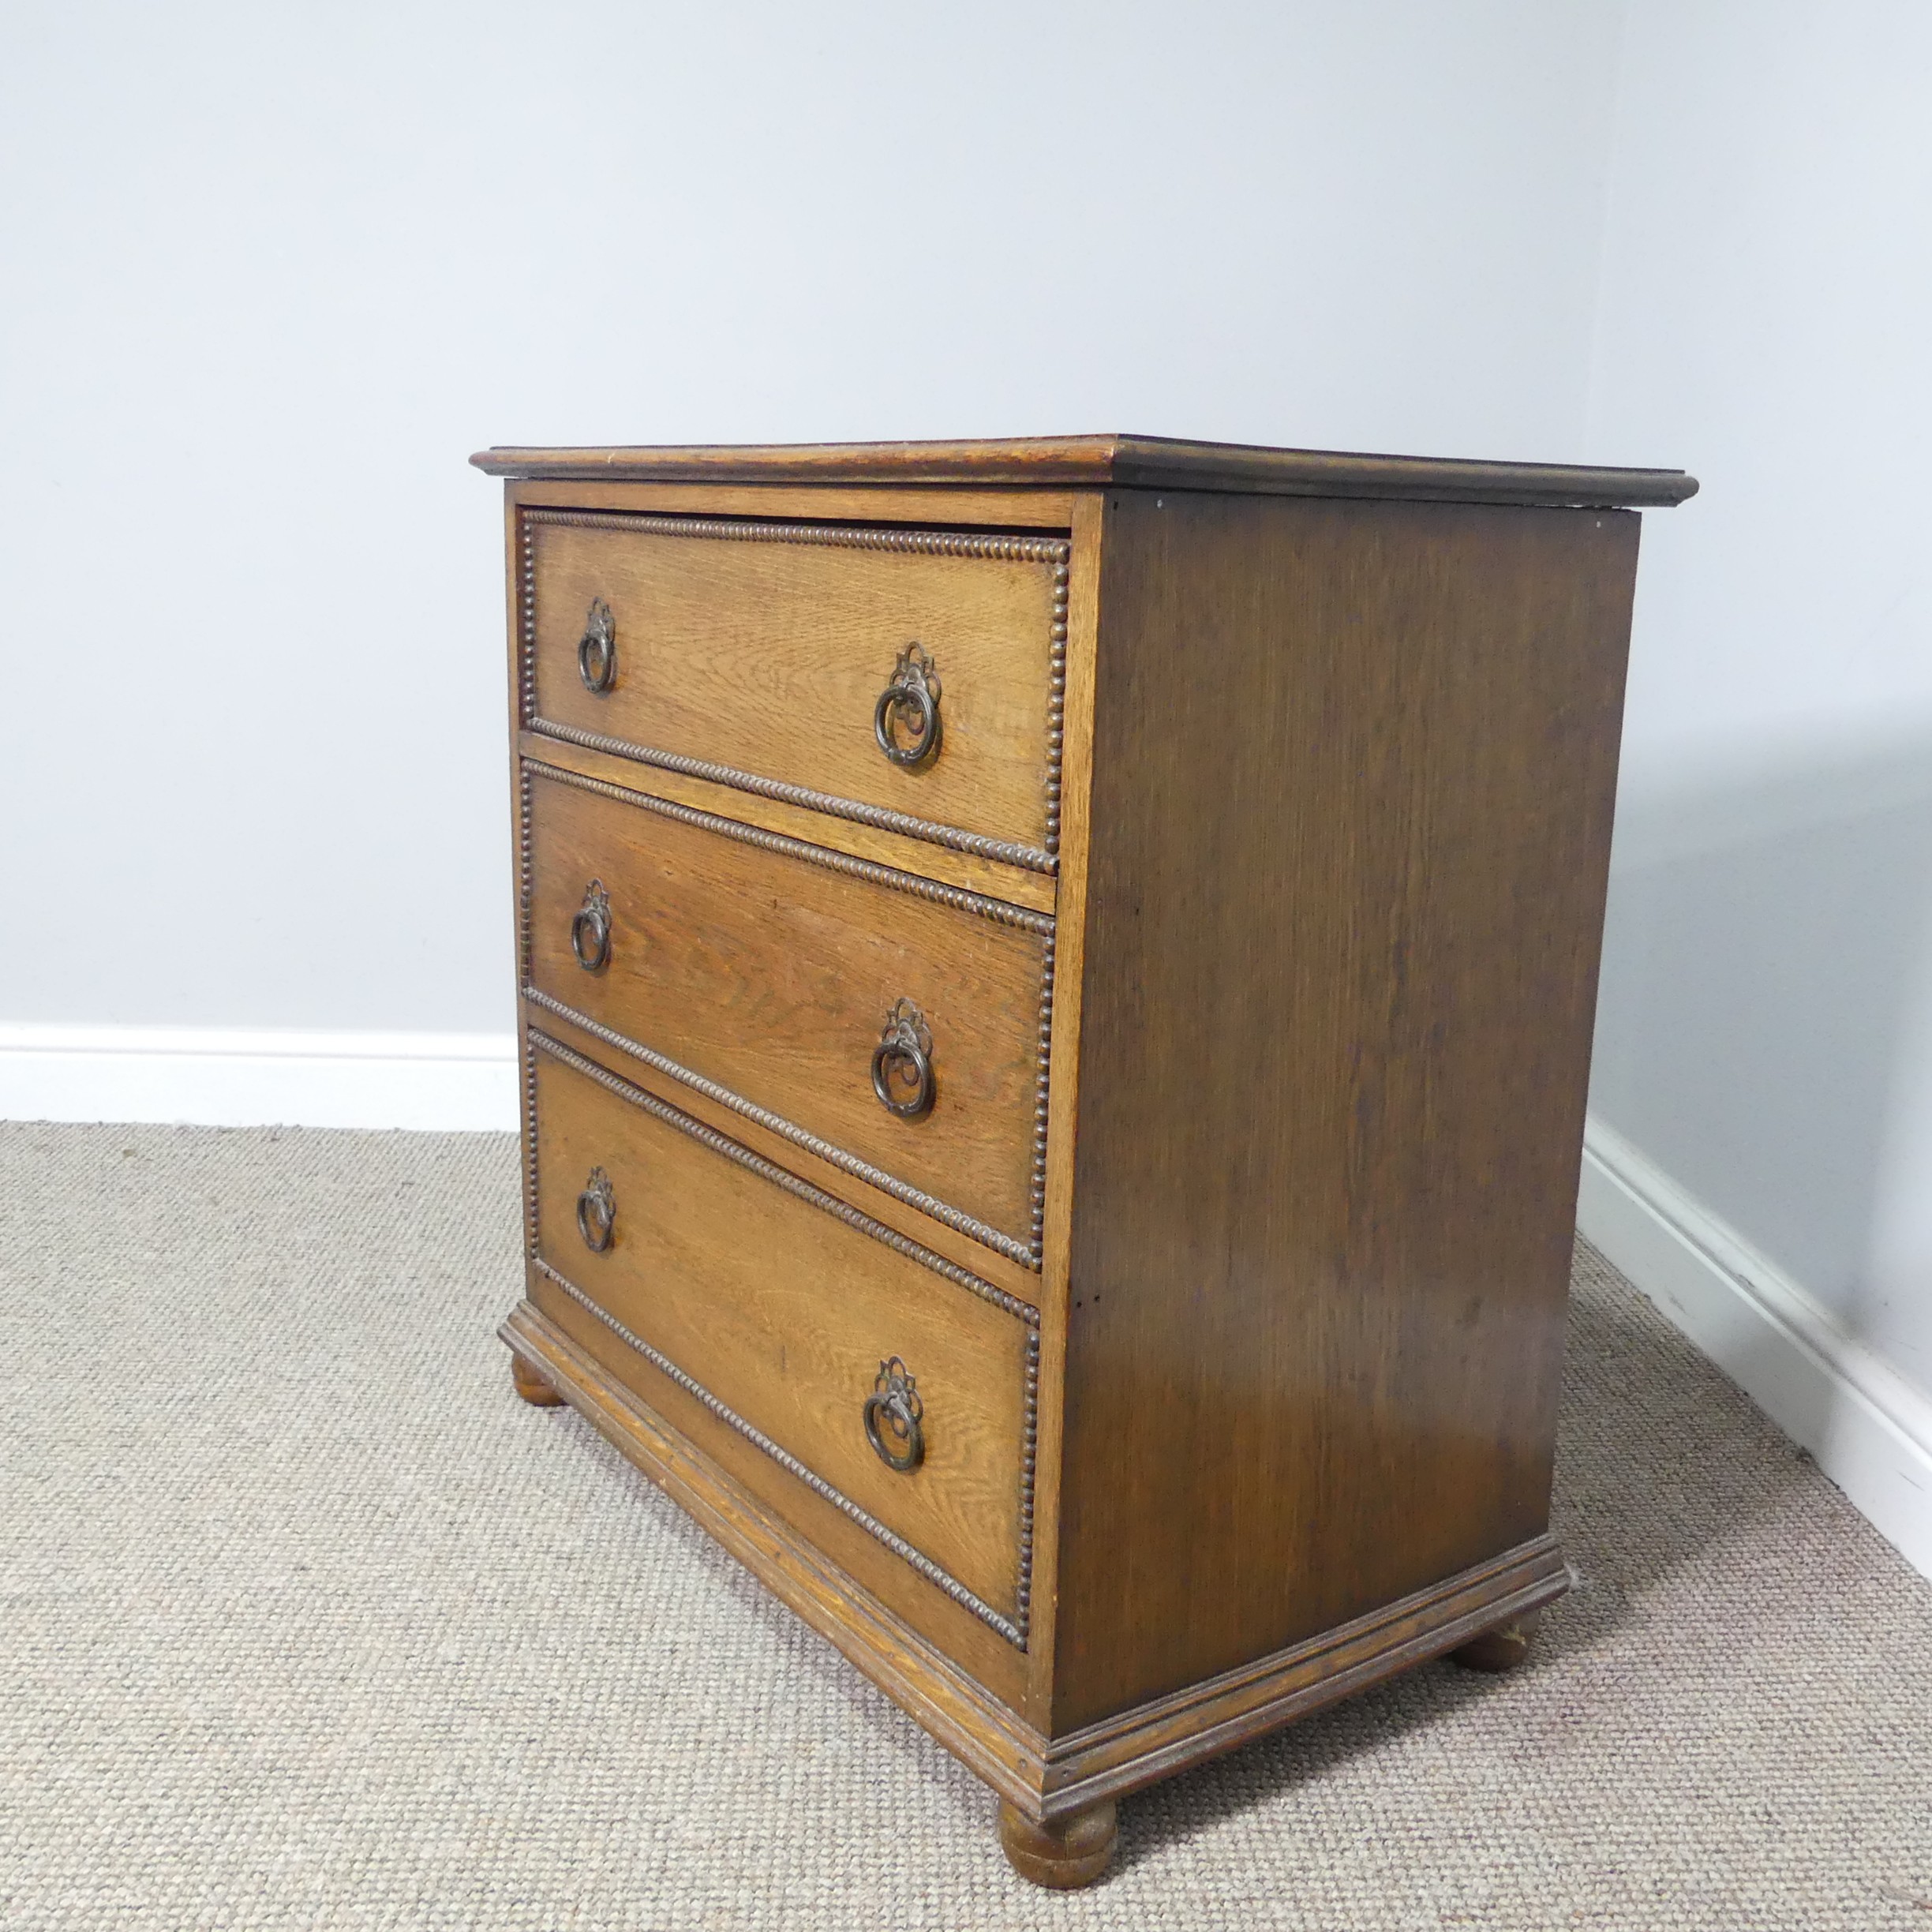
1056	983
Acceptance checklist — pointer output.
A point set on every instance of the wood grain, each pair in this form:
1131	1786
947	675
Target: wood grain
1062	1854
774	978
949	1673
1014	1278
1108	461
1504	1648
1043	1779
917	507
767	657
1336	769
530	1386
784	1314
1138	1746
1014	885
1354	769
1083	621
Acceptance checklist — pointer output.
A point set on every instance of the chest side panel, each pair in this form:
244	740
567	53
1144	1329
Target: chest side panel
1353	771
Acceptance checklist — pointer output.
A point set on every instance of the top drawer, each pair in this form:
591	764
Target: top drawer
761	655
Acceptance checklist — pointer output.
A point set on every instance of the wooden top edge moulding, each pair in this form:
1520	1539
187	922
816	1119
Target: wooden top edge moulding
1132	462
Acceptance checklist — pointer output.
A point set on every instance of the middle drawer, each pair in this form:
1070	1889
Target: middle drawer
894	1026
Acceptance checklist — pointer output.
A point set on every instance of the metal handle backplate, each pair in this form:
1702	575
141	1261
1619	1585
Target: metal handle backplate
590	929
906	719
893	1413
902	1067
597	649
596	1211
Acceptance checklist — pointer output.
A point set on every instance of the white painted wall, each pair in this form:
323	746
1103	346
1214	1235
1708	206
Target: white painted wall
1766	1027
271	274
1760	1155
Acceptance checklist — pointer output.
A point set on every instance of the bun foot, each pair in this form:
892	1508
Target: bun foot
1068	1852
1502	1648
531	1386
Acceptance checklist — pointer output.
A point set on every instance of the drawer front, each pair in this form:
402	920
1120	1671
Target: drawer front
759	653
781	1310
776	971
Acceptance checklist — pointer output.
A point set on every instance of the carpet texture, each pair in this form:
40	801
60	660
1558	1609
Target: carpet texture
308	1622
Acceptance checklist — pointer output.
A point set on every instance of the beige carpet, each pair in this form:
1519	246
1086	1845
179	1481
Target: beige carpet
308	1623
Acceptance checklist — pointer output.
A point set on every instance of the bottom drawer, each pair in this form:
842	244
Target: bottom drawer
828	1341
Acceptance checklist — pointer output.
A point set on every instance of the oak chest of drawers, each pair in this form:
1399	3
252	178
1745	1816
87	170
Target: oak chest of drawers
1056	988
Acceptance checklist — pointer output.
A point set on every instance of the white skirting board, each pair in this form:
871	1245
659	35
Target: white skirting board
1869	1429
223	1077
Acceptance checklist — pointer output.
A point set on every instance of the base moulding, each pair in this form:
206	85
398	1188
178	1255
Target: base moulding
1044	1779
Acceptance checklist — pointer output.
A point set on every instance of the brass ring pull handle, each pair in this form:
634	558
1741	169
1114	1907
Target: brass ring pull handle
912	701
590	929
902	1068
596	1211
893	1413
597	649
